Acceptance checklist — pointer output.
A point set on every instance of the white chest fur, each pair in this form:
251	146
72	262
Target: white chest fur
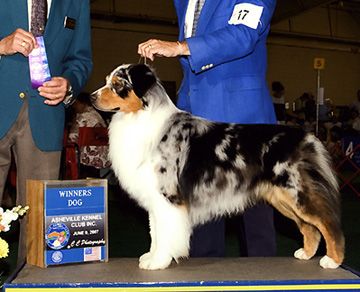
133	151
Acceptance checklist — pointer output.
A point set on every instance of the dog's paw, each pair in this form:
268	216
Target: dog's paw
145	256
150	261
301	254
328	263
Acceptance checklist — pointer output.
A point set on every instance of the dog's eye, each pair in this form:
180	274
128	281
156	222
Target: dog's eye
120	86
116	82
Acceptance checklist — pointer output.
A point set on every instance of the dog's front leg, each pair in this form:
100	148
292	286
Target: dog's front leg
170	232
147	255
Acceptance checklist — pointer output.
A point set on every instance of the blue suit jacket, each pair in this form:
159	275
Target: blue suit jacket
225	76
69	55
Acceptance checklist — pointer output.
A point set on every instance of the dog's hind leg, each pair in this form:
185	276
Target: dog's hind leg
283	202
320	217
333	236
311	241
320	207
171	231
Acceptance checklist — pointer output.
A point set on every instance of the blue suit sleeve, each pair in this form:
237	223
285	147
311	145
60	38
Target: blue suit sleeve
78	60
230	42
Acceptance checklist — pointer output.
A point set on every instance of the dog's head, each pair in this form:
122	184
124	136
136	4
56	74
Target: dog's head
124	89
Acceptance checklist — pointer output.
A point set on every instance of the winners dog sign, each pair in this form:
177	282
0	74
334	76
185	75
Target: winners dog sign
69	224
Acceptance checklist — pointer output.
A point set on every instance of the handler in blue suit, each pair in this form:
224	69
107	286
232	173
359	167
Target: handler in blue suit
32	120
224	59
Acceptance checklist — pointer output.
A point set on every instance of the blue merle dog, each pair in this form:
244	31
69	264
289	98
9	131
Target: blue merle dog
185	170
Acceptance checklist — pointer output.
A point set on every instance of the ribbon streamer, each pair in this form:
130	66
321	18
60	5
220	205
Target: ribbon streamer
38	63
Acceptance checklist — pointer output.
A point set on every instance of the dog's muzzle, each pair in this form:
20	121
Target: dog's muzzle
94	96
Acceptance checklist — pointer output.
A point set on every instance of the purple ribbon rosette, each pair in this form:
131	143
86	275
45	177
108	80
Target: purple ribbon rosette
38	63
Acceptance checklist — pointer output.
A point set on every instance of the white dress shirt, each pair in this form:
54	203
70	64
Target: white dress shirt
189	18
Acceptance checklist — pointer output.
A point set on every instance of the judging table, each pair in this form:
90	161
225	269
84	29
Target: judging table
195	274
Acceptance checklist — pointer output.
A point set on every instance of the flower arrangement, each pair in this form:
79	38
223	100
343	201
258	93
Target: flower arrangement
6	217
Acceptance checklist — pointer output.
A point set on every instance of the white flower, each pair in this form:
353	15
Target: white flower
10	215
5	219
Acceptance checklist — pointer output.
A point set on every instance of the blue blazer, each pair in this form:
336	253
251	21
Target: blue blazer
225	76
69	55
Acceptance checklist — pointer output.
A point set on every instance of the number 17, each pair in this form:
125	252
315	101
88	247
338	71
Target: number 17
242	14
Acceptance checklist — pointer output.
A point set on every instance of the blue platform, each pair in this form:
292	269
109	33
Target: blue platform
203	274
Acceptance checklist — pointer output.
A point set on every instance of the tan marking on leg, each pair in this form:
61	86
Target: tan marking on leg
283	201
312	238
334	238
323	221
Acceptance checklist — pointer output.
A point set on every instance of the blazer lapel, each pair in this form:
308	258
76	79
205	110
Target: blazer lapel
56	19
206	14
182	7
19	11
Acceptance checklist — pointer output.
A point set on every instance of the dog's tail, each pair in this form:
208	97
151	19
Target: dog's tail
318	166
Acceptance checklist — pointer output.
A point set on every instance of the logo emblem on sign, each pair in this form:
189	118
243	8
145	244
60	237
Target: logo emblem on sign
57	256
57	235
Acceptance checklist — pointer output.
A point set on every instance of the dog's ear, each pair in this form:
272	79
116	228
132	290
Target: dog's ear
142	78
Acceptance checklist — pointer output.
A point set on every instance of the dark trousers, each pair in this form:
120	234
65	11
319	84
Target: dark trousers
257	233
88	171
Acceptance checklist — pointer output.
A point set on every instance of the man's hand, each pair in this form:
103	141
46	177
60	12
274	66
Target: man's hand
20	41
54	90
152	48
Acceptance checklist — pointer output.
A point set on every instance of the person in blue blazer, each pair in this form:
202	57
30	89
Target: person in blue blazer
32	120
224	61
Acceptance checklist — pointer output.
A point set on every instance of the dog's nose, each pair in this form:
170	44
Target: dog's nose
94	96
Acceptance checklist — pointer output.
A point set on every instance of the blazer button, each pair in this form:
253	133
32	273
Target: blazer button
22	95
203	67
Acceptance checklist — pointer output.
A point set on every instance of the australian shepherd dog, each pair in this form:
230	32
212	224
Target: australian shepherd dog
185	170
